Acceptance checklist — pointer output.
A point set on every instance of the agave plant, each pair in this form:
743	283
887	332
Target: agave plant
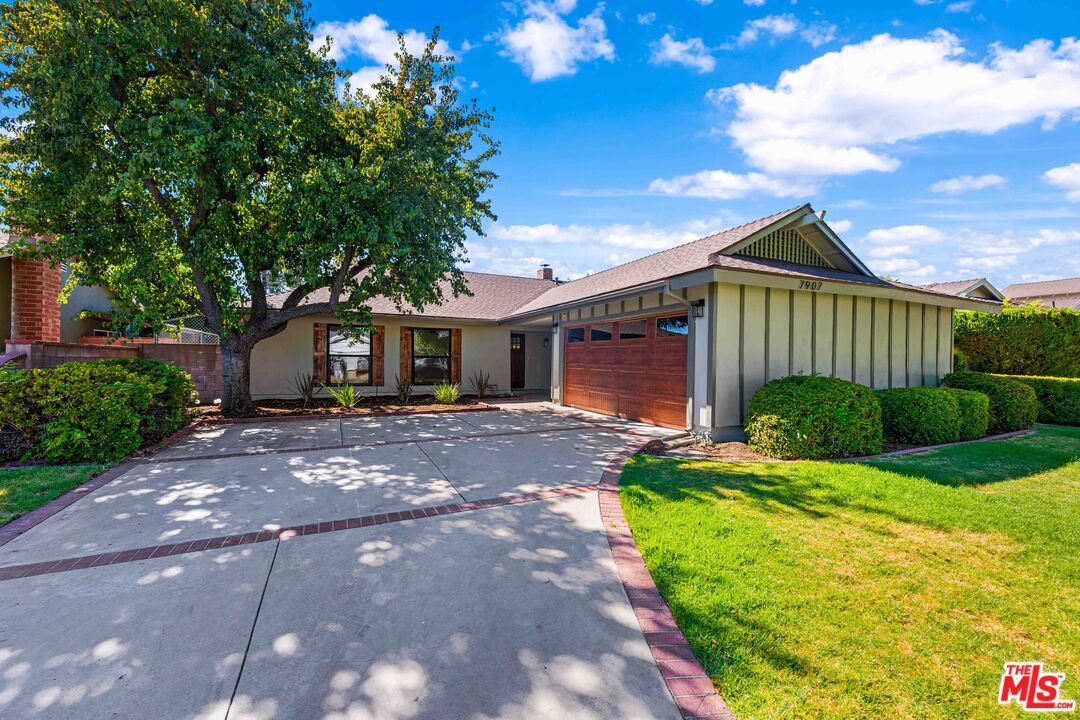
403	390
346	395
481	383
447	393
304	385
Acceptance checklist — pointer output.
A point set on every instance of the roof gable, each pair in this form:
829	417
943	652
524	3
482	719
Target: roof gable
973	288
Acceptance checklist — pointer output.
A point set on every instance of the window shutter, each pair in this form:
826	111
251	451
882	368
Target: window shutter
318	364
378	342
455	356
406	355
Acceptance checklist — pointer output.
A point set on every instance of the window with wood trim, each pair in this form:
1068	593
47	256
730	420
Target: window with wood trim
677	325
430	356
631	330
348	357
601	332
575	335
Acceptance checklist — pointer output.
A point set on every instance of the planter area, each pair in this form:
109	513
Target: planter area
329	406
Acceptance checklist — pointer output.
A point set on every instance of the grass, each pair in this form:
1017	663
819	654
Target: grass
894	588
24	488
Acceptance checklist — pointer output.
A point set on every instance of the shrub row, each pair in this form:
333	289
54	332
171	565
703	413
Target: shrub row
933	416
1012	404
810	417
1025	339
1058	398
96	411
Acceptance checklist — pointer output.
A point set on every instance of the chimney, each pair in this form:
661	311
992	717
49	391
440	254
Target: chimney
35	313
544	273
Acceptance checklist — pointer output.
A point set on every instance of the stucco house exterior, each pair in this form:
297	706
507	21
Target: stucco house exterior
681	338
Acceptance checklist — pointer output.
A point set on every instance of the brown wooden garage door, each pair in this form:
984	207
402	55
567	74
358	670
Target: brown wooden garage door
632	368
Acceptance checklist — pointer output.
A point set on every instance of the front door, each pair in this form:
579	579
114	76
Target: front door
517	361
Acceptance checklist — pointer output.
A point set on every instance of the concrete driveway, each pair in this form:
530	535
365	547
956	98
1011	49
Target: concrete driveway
506	605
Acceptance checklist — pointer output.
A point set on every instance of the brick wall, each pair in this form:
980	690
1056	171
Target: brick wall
35	314
203	362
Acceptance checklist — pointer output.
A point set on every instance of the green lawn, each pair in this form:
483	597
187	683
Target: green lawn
24	488
893	589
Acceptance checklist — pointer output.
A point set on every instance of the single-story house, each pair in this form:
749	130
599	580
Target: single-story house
973	288
681	338
1064	293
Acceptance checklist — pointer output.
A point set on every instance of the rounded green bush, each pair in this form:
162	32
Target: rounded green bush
1013	405
811	416
919	415
1058	397
974	412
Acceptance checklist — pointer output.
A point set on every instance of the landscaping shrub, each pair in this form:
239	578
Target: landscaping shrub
447	393
974	412
96	411
1058	398
810	416
1022	340
345	395
1012	404
919	415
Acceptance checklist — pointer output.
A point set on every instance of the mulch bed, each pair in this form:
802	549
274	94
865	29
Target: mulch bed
328	406
731	452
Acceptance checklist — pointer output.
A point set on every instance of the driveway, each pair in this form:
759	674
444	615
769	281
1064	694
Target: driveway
432	566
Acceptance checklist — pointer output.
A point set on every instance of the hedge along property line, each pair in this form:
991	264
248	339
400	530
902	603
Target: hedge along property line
1013	405
928	448
919	415
1022	340
1058	397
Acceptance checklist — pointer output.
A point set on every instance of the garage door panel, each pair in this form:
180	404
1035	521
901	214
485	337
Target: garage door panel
641	379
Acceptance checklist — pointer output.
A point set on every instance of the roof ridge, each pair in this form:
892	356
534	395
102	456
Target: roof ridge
1043	282
505	275
686	244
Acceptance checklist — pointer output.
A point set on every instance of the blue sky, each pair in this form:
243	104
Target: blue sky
941	137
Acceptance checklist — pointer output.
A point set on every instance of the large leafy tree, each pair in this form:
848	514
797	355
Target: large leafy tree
194	155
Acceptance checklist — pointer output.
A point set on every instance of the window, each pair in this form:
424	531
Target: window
600	333
575	335
632	330
671	326
348	358
430	356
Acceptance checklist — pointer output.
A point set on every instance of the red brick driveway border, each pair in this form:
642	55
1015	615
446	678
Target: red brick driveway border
49	567
686	679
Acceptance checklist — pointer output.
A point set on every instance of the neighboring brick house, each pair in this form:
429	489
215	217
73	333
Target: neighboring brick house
1064	293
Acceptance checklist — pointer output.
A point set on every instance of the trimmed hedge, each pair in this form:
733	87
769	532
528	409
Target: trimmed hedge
96	411
1012	404
974	412
919	415
1022	340
811	416
1059	398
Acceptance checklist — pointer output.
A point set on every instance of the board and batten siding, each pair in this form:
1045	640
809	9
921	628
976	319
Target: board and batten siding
765	333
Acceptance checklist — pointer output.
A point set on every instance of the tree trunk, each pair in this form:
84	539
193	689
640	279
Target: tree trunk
236	378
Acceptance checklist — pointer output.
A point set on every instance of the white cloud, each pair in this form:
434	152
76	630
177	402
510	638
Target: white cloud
545	46
960	7
777	26
1066	177
724	185
690	53
819	33
907	269
835	114
963	183
625	236
785	25
840	226
887	251
370	38
906	235
754	3
646	18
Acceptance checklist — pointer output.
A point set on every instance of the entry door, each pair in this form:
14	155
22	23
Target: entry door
517	360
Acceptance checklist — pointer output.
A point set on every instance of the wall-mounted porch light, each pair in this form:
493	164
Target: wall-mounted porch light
555	328
697	308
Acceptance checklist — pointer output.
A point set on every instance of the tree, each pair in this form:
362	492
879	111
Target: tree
193	155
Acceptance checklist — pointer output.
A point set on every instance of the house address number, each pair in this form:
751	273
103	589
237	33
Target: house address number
812	285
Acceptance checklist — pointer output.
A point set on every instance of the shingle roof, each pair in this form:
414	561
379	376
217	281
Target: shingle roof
651	268
494	297
779	267
953	287
1064	286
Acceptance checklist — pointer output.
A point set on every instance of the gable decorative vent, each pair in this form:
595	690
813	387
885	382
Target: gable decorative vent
787	246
